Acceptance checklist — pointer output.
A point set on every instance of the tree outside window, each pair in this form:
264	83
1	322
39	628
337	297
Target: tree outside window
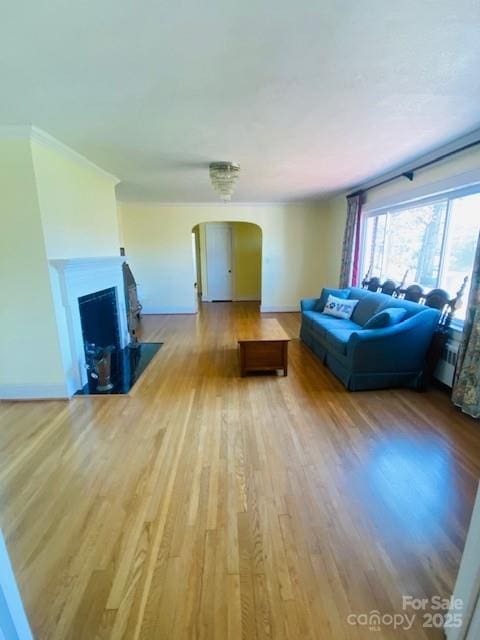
435	242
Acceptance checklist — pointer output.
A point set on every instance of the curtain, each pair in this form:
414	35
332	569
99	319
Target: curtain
466	387
351	242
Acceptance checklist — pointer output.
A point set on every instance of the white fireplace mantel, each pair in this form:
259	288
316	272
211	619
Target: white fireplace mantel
71	279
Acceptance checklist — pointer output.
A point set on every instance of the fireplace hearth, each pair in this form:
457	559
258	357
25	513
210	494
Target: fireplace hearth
100	331
128	364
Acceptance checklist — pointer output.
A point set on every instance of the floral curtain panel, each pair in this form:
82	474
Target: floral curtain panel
351	242
466	388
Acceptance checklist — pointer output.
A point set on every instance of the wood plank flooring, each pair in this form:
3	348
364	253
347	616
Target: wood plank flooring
206	505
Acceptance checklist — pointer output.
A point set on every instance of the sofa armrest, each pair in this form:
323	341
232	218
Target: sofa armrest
401	347
308	304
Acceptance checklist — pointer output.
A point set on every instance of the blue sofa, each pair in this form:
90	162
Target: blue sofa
390	356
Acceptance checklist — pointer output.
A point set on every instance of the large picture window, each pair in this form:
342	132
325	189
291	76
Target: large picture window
435	241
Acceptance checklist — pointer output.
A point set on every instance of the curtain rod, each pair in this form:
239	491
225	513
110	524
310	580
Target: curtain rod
409	174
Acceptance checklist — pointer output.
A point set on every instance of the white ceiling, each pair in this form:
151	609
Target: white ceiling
310	96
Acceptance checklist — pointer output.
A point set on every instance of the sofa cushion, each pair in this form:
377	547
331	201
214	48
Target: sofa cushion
309	318
385	318
337	339
366	307
412	308
320	323
385	302
322	301
340	307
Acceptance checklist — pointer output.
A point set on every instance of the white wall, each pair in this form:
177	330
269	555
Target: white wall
30	362
77	204
158	243
53	204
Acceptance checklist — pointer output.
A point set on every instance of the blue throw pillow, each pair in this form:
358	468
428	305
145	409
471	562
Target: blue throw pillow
322	301
385	318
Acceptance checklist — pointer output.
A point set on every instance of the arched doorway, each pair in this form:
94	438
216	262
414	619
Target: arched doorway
228	261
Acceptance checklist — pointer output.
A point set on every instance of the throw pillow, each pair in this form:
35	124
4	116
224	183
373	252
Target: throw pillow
385	318
339	307
322	301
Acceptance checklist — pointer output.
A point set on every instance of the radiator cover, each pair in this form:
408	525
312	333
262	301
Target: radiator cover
446	365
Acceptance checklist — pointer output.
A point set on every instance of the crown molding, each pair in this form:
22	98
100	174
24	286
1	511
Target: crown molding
34	134
15	132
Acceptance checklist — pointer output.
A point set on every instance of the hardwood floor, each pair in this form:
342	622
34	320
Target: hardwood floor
206	505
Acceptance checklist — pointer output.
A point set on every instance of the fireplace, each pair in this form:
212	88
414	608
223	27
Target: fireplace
99	320
100	330
86	292
89	297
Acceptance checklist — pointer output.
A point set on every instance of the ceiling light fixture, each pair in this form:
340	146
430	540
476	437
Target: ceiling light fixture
224	176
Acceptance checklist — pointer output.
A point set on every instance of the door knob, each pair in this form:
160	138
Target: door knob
229	271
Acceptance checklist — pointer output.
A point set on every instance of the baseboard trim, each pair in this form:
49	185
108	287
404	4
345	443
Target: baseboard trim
246	299
161	311
266	308
33	392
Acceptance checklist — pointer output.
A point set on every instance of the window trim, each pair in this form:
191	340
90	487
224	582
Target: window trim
444	245
466	181
448	195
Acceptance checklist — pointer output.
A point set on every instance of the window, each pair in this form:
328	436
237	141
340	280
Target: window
434	241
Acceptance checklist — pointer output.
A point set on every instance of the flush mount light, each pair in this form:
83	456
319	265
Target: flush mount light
224	176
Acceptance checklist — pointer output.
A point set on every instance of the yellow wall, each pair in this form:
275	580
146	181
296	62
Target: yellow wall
78	206
452	173
29	347
335	216
158	243
247	261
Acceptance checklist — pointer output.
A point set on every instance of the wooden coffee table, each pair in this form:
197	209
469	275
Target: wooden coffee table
263	347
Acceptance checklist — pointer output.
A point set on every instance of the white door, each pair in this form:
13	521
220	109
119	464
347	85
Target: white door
195	272
219	262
